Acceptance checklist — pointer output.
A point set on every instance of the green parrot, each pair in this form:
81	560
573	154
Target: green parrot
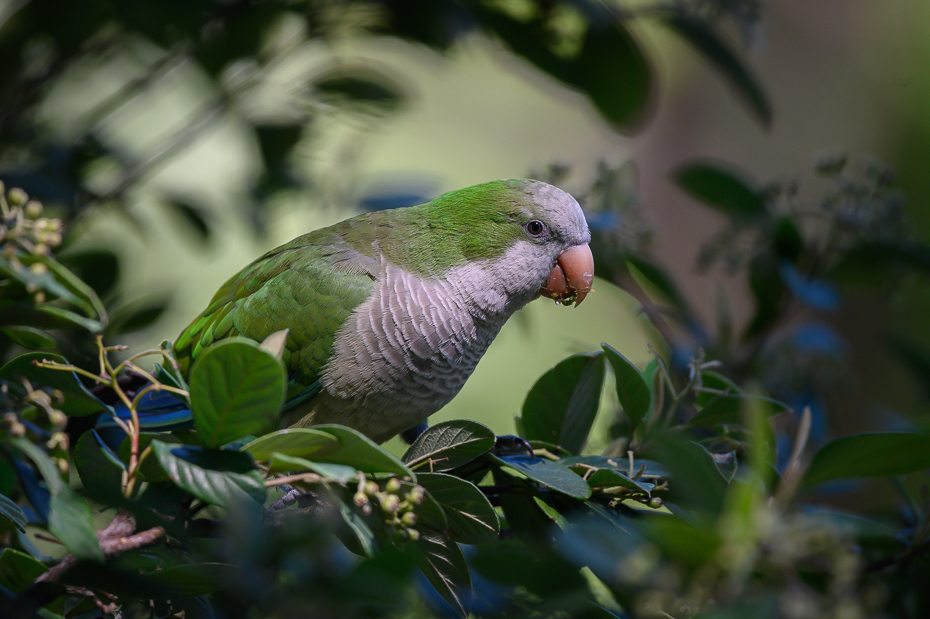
388	313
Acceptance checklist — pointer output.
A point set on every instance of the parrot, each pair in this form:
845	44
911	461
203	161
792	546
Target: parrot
388	313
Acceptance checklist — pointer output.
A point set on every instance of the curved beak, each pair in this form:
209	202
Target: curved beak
571	277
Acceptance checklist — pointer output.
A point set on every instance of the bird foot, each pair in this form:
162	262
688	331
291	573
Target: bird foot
510	445
292	496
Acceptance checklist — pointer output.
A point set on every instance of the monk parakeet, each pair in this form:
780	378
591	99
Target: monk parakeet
389	312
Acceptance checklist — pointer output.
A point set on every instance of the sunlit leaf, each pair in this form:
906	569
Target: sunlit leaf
236	389
299	442
356	449
448	445
548	473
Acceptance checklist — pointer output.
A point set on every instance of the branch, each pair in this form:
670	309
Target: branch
116	538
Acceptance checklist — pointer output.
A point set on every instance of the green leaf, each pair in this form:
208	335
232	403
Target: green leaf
43	463
722	189
188	580
548	473
869	455
448	445
356	449
362	540
339	473
18	570
727	409
471	518
444	566
12	512
100	470
60	318
236	389
78	401
694	478
609	478
71	521
298	442
632	389
705	37
713	380
29	337
561	407
642	468
216	476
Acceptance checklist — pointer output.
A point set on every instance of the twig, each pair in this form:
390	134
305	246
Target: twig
116	538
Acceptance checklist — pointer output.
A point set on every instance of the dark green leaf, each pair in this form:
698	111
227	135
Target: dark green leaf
561	407
360	86
236	389
356	449
660	280
869	455
18	570
448	445
705	37
71	521
136	316
722	189
471	518
216	476
642	469
548	473
713	380
610	68
189	580
100	470
43	463
57	317
608	478
150	468
12	512
632	389
298	442
357	537
194	216
78	400
444	566
694	480
29	337
727	409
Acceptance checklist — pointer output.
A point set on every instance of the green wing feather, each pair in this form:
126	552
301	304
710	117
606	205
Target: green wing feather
309	286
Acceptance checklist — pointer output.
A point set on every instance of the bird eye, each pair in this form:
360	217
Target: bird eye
535	228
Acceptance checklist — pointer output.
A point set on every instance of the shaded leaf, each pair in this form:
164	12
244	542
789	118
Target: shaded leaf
448	445
216	476
71	521
101	471
236	389
356	449
299	442
869	455
609	478
78	400
632	389
136	316
12	512
29	337
712	184
548	473
339	473
188	580
560	408
150	469
194	216
609	67
705	37
471	518
695	481
18	570
727	409
444	566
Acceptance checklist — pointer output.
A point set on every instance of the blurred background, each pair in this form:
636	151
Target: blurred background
180	140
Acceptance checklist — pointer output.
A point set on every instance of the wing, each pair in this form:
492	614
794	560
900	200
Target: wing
309	286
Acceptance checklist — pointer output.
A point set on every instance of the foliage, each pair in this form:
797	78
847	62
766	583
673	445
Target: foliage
709	498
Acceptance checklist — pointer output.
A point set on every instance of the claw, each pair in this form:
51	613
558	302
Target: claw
510	445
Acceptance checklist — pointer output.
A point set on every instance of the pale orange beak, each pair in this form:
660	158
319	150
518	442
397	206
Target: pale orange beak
571	277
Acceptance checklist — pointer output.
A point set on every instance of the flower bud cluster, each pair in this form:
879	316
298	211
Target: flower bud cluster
397	502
